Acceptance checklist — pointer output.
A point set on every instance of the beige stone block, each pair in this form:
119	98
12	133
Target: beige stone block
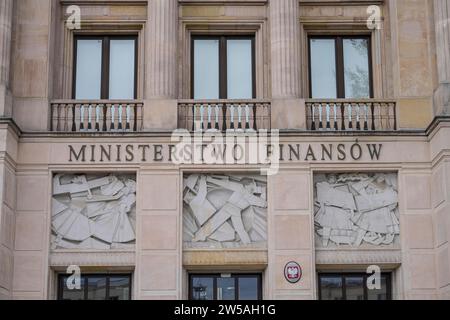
7	227
414	113
159	192
31	114
32	193
419	231
28	271
307	274
294	297
438	186
288	114
159	232
292	232
158	272
295	195
28	296
202	11
442	225
6	268
10	188
422	271
30	231
160	115
443	267
158	297
417	189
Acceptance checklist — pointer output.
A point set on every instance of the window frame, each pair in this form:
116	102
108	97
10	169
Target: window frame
85	278
235	276
343	276
340	61
105	67
223	61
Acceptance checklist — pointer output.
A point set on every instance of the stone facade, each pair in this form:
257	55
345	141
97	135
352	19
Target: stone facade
130	208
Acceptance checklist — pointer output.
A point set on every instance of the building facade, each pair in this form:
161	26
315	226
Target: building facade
332	119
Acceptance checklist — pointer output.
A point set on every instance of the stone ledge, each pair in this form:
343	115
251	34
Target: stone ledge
93	258
358	257
196	258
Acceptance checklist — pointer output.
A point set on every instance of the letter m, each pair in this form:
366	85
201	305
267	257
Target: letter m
81	154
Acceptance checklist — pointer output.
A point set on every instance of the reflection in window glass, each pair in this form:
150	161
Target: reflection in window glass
354	288
323	68
226	289
356	68
96	288
89	69
240	72
379	294
206	69
119	288
331	288
202	288
71	294
122	69
248	288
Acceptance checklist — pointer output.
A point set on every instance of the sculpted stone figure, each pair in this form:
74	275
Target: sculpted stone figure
353	209
224	210
93	212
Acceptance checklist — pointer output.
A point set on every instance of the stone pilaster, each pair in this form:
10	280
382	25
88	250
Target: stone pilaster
287	109
161	67
442	27
6	12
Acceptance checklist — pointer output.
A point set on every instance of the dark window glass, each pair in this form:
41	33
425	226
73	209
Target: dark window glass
352	286
105	68
230	287
340	67
223	67
97	287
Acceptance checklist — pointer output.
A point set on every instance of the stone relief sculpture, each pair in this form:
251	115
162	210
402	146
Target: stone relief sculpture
93	212
224	210
353	209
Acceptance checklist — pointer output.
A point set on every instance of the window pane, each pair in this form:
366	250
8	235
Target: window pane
68	294
323	68
122	69
239	66
356	67
97	288
119	288
380	294
202	288
206	69
331	288
225	289
354	287
89	69
248	288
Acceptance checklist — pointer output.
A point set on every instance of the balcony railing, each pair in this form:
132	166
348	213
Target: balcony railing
358	115
223	115
96	116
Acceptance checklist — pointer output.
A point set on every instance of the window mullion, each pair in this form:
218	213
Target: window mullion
340	68
223	92
105	68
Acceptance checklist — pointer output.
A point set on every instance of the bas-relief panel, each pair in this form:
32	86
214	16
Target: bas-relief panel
224	211
356	209
93	211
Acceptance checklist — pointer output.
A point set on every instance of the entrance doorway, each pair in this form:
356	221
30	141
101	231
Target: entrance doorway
225	287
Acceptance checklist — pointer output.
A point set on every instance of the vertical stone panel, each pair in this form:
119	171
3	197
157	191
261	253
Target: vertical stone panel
6	11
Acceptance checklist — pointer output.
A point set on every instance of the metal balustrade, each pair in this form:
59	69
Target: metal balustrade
223	115
358	115
96	116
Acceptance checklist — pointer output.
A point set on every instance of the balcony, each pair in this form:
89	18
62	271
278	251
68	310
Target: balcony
223	115
348	115
96	116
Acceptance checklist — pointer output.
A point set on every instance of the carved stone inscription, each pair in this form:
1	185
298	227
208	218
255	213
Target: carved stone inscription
356	209
224	210
93	211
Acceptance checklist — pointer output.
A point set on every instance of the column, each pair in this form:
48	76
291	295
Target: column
6	12
442	27
161	67
288	111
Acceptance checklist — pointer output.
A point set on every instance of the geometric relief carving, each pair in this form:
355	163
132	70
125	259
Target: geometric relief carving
224	211
356	209
93	211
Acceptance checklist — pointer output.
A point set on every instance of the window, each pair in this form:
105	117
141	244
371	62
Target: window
229	287
223	67
97	287
105	67
340	67
352	286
